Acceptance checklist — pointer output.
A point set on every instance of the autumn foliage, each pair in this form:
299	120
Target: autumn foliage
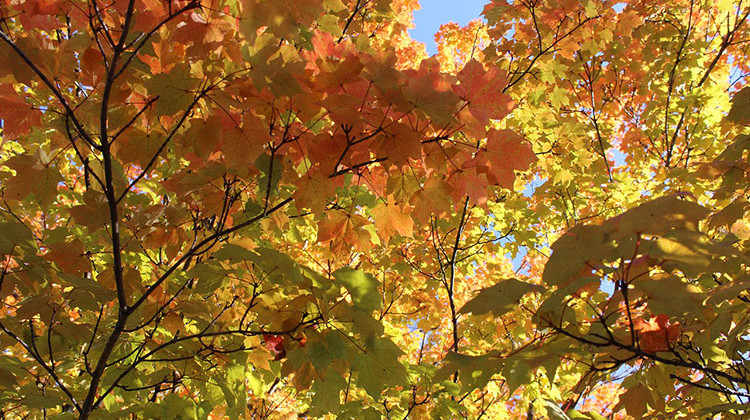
287	209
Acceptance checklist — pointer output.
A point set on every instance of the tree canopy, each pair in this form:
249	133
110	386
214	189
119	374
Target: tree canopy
286	209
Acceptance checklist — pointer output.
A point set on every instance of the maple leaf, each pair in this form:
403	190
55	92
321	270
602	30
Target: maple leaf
378	366
471	184
363	288
70	257
275	344
508	152
401	144
740	104
482	90
314	190
242	145
139	148
499	299
174	89
343	230
392	219
285	204
657	333
17	115
430	91
34	175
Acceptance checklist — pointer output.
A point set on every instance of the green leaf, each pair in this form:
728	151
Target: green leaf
327	393
727	291
280	267
362	286
232	384
174	90
474	372
571	252
7	379
556	307
255	383
208	276
657	217
16	239
740	112
447	409
500	298
687	251
172	407
269	168
229	398
673	297
516	371
378	366
252	209
370	375
233	253
577	415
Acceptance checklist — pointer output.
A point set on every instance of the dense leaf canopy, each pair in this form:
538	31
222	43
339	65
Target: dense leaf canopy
283	209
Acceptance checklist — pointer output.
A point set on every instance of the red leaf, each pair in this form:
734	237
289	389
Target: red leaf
508	152
657	333
483	92
17	115
275	344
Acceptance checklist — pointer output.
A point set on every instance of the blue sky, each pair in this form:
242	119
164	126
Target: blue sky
433	13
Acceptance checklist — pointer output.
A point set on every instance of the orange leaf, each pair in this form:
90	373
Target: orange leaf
508	152
18	116
392	219
483	92
657	333
70	257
